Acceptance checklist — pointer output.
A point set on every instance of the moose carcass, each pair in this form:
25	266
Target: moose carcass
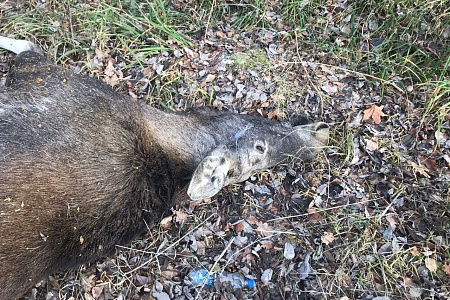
83	168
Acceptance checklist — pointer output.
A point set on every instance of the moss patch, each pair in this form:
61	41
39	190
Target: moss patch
250	59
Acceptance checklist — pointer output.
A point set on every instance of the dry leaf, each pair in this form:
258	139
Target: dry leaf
109	70
239	227
429	163
112	81
8	5
141	279
201	247
346	29
304	268
228	227
166	223
267	246
170	273
329	89
431	264
414	251
340	42
147	71
446	269
392	221
97	291
264	229
375	113
371	145
356	153
327	238
88	282
252	220
408	281
181	216
289	252
314	215
427	252
99	54
266	276
272	114
210	78
415	292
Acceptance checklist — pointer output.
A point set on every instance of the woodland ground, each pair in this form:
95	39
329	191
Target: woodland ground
368	219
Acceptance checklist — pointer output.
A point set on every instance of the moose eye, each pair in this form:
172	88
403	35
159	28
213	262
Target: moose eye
259	146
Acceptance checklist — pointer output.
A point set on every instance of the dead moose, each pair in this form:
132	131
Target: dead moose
83	168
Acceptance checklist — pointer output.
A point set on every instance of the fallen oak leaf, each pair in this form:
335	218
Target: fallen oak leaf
375	113
264	229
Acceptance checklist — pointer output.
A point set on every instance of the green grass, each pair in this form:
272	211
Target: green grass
437	106
241	14
384	39
299	13
406	41
135	29
132	31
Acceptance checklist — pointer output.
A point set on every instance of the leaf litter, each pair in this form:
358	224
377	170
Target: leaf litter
378	195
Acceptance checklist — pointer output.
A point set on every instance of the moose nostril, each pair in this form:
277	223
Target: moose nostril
213	179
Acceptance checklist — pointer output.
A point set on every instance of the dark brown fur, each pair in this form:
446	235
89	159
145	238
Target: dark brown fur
75	183
83	169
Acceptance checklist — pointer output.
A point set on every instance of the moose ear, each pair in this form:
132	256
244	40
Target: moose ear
210	176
